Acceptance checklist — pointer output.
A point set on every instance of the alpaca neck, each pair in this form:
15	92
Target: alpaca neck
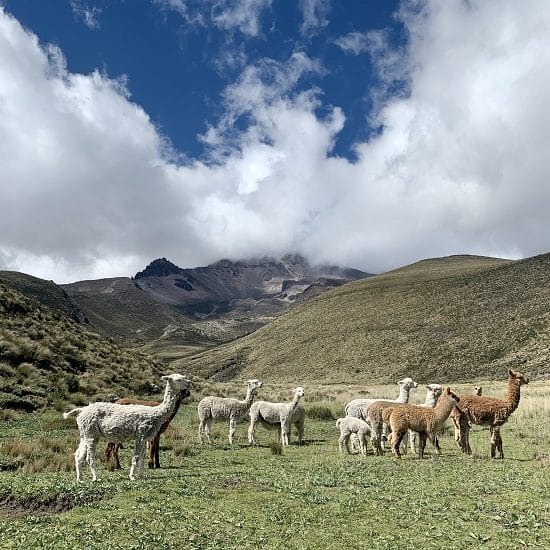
403	396
250	393
442	410
431	399
169	400
514	394
294	402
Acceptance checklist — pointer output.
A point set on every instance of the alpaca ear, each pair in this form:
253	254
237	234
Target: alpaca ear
448	390
511	372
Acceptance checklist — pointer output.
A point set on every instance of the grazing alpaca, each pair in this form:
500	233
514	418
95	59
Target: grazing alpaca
349	425
153	446
225	408
492	411
122	422
275	415
427	422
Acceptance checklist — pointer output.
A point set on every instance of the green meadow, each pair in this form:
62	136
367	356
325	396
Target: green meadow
215	496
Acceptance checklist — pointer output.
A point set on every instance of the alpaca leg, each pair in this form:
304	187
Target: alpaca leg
300	427
155	444
252	432
137	458
207	428
152	448
434	441
412	441
376	439
343	441
91	445
363	444
421	444
284	434
396	441
494	440
498	442
232	426
80	460
116	448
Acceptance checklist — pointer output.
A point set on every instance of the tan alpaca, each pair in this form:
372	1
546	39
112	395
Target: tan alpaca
427	422
494	412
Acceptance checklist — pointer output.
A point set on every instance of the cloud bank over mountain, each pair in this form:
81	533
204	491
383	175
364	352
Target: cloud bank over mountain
459	163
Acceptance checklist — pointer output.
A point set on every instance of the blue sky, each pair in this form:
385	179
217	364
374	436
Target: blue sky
364	133
177	60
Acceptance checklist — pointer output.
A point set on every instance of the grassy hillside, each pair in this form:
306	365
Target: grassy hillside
455	318
47	359
45	292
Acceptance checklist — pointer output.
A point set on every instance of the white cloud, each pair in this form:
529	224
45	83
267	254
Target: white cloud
314	14
460	165
354	42
242	15
87	14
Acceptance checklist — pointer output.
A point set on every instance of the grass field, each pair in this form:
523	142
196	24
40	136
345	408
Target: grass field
307	497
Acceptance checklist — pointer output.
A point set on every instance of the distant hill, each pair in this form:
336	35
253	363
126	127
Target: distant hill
45	292
47	358
445	319
174	311
265	284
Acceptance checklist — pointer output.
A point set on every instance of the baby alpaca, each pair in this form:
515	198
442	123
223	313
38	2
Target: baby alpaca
273	415
427	422
121	422
349	425
225	408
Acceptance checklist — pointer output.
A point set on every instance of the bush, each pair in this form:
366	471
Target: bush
320	412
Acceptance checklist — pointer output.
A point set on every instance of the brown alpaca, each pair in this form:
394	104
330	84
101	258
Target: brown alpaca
111	450
426	421
462	425
374	413
462	430
494	412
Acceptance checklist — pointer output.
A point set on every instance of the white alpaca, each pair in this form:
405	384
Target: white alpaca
119	423
225	408
276	415
348	426
356	407
432	395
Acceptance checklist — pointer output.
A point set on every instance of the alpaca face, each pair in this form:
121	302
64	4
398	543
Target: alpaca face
177	381
253	384
407	383
299	391
518	376
435	389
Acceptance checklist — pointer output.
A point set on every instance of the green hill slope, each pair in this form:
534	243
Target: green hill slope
47	358
455	318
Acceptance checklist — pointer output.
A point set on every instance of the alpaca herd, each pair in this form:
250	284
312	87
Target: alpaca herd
144	421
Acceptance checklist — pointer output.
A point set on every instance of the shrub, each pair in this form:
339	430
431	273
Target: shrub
320	412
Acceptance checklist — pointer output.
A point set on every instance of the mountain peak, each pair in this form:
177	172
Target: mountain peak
160	267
